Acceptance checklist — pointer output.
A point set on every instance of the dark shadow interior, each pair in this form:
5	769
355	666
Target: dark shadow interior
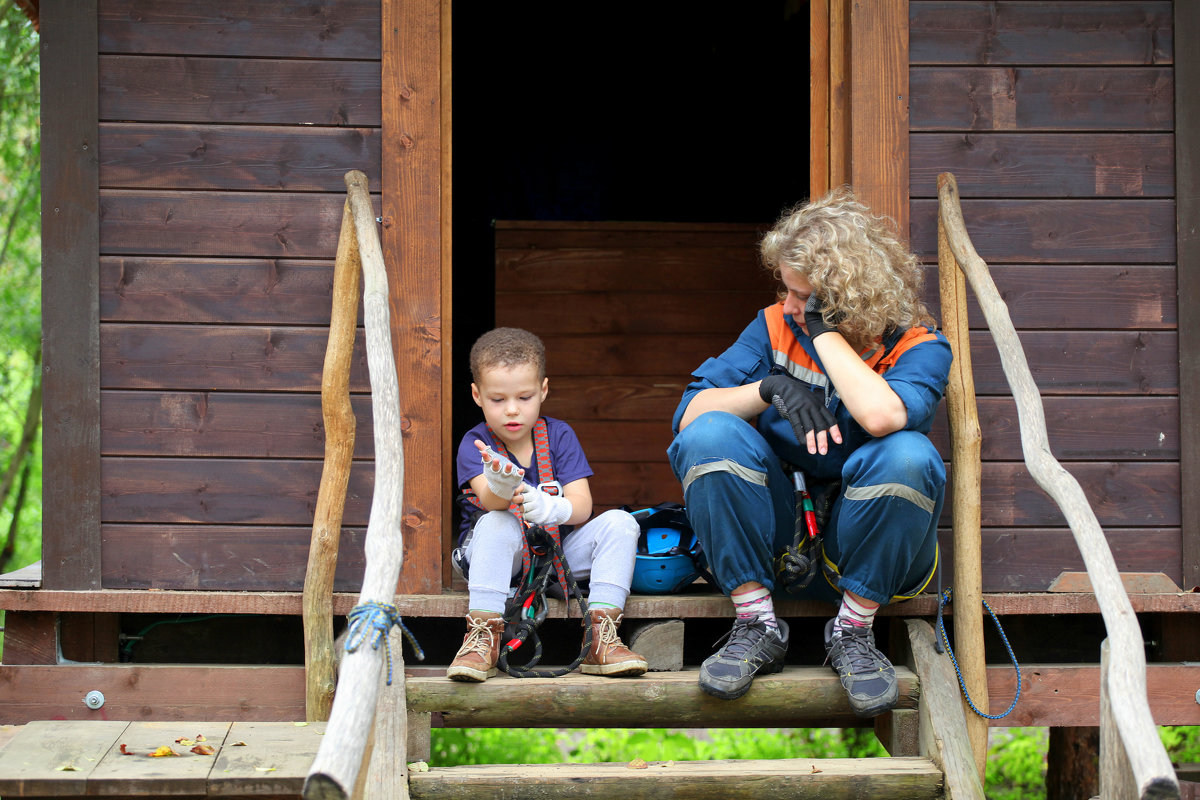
642	111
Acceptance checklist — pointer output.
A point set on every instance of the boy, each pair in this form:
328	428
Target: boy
508	366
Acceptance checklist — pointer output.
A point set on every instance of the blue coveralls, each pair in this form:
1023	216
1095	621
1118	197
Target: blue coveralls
881	540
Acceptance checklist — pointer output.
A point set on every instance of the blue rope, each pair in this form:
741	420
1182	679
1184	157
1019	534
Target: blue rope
961	683
371	622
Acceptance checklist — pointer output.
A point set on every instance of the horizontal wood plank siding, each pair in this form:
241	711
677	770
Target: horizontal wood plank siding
1057	120
224	140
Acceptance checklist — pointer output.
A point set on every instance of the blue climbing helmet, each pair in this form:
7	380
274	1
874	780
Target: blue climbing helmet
669	557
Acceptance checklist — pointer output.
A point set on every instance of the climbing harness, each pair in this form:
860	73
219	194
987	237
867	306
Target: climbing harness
797	565
945	642
541	449
527	609
371	622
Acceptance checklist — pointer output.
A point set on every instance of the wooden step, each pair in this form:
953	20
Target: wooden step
655	700
829	779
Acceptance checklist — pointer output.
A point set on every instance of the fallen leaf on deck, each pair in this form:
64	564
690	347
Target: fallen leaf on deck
165	750
637	763
418	766
125	751
200	737
815	770
183	740
67	768
300	724
203	750
238	744
266	769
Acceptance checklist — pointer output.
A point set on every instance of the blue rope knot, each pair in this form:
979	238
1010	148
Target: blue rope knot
371	622
945	642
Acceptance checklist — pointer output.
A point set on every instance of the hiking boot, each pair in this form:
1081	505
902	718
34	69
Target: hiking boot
750	648
476	659
608	655
866	674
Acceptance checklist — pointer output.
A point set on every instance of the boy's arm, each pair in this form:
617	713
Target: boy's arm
572	507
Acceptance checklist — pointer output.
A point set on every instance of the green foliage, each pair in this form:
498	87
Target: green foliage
1016	766
1182	743
453	747
20	291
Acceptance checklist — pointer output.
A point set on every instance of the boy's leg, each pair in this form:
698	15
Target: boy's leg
883	539
494	556
741	505
603	550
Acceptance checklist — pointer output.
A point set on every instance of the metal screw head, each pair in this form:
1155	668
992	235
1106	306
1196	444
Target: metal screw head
93	699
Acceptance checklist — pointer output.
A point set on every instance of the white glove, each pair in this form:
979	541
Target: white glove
503	476
544	509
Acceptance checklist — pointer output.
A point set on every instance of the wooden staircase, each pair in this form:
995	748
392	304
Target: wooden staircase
925	735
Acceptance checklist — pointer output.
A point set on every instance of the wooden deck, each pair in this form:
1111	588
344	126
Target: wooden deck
72	758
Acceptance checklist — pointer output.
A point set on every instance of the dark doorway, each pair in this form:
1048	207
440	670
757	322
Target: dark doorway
646	111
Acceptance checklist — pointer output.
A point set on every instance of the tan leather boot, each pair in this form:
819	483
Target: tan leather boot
476	659
608	654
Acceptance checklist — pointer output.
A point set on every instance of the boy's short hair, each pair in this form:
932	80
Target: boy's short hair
507	347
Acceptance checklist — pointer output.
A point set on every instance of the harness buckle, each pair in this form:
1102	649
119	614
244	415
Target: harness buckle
546	486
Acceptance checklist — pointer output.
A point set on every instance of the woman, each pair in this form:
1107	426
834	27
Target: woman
840	380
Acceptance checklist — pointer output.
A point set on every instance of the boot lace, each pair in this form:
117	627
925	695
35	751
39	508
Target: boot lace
479	637
608	631
856	650
741	637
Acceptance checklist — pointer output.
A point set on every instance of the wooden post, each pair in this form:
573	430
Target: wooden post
1126	683
339	759
966	474
1116	776
335	476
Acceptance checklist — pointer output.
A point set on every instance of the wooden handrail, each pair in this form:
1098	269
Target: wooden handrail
338	416
966	472
1153	775
339	760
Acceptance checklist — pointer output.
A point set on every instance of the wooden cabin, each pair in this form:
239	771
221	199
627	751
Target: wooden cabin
600	176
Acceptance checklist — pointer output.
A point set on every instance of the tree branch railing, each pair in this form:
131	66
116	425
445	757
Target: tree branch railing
339	760
1136	764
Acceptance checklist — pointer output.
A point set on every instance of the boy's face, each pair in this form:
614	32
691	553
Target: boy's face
511	399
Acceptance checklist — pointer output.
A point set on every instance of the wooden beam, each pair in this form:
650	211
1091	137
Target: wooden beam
879	107
839	93
448	532
818	97
1187	210
454	604
411	238
70	297
1051	694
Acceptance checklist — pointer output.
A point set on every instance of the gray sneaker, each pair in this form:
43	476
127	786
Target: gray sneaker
867	676
750	647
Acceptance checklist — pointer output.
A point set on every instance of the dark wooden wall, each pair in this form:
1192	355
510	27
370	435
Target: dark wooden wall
223	144
1057	120
627	311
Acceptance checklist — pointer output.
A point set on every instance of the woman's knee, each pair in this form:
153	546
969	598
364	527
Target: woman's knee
905	457
717	434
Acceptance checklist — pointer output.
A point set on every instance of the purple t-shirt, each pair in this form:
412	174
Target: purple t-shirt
566	457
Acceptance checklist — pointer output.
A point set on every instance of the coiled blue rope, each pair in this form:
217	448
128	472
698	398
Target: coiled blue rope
371	622
961	683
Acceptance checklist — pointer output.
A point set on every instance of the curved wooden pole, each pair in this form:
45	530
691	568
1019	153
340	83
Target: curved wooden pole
966	473
1153	774
338	416
340	757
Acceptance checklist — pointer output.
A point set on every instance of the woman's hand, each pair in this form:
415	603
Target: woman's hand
812	423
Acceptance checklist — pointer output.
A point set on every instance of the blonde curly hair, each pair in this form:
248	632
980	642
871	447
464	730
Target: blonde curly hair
869	281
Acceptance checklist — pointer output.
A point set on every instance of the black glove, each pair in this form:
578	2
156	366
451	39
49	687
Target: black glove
796	403
813	319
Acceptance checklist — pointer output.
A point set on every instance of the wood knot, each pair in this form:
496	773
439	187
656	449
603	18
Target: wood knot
412	521
406	141
405	424
406	92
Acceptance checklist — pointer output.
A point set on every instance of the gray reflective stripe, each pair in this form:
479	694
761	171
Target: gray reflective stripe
796	371
891	490
724	465
868	356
